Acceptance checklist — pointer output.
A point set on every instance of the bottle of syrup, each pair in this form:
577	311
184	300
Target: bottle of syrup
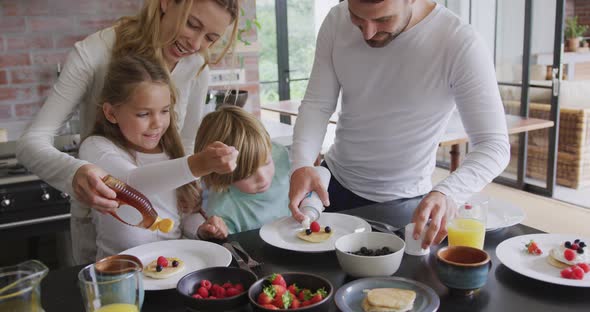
311	206
134	208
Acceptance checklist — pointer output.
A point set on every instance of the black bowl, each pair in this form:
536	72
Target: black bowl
219	275
303	280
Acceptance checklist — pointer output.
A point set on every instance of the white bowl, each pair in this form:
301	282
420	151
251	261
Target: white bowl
362	266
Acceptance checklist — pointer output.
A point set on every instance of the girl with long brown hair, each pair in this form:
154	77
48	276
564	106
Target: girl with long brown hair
136	140
176	33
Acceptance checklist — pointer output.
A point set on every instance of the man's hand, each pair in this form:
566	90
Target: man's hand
303	181
434	206
213	228
91	190
216	157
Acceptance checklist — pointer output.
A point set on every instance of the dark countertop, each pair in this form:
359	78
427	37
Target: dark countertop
505	290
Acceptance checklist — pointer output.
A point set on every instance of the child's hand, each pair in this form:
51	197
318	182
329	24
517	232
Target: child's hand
216	157
213	228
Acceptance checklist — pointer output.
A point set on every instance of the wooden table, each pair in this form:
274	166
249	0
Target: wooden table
505	290
453	136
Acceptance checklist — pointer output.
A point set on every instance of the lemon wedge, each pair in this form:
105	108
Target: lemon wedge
163	225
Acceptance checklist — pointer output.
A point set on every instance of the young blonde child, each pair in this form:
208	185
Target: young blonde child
257	191
136	140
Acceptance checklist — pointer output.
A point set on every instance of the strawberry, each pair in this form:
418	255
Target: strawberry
569	254
162	261
277	279
295	304
269	306
533	248
304	295
232	291
293	289
577	273
267	295
566	273
204	292
316	298
315	227
306	303
584	266
206	283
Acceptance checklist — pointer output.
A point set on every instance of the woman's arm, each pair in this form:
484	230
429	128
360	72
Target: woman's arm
35	148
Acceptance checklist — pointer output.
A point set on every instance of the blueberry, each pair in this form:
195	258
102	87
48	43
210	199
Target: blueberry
174	263
378	252
158	268
568	244
576	241
580	250
385	249
582	244
308	232
370	252
364	250
328	229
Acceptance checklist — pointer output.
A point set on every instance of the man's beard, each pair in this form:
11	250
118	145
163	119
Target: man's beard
390	35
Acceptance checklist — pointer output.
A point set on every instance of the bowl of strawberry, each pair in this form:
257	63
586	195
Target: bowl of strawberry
291	291
216	288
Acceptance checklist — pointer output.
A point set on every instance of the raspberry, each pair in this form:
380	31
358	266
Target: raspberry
227	285
232	291
575	246
206	283
569	254
577	273
315	227
162	261
584	267
197	296
239	287
203	292
566	273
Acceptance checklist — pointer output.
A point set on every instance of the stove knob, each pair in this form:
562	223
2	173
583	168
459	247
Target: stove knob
5	202
45	196
64	195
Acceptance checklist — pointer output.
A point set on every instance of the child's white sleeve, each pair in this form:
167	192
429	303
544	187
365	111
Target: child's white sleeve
190	224
150	179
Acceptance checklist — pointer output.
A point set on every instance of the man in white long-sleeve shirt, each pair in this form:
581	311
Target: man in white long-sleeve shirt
401	76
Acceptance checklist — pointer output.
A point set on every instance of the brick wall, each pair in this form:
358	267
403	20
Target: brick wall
582	10
36	35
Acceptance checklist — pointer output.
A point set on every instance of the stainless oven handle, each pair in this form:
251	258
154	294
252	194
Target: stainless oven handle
34	221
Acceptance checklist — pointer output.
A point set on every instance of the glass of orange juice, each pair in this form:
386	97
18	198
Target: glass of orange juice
112	285
468	227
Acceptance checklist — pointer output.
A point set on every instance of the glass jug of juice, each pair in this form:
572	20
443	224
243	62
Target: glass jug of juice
20	286
134	208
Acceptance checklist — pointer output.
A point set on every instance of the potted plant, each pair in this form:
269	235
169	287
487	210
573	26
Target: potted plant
573	33
236	96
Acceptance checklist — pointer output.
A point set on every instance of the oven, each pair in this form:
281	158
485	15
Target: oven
34	218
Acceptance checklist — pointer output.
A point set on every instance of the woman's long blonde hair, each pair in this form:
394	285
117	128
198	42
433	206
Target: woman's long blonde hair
124	75
140	34
236	127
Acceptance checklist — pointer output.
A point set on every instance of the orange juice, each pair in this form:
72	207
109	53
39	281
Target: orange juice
466	232
118	307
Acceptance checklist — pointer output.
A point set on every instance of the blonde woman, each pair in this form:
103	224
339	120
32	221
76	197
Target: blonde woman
178	34
257	191
135	138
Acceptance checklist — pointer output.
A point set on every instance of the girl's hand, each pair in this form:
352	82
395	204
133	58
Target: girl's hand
216	157
90	189
213	228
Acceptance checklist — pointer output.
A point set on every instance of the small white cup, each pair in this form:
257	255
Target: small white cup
413	246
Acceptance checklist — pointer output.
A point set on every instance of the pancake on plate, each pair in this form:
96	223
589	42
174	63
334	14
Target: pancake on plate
150	269
389	300
315	237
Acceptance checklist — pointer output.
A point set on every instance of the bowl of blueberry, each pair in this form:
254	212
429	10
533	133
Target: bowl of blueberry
369	253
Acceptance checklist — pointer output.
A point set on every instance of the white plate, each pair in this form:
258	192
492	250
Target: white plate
196	255
511	253
282	233
502	214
